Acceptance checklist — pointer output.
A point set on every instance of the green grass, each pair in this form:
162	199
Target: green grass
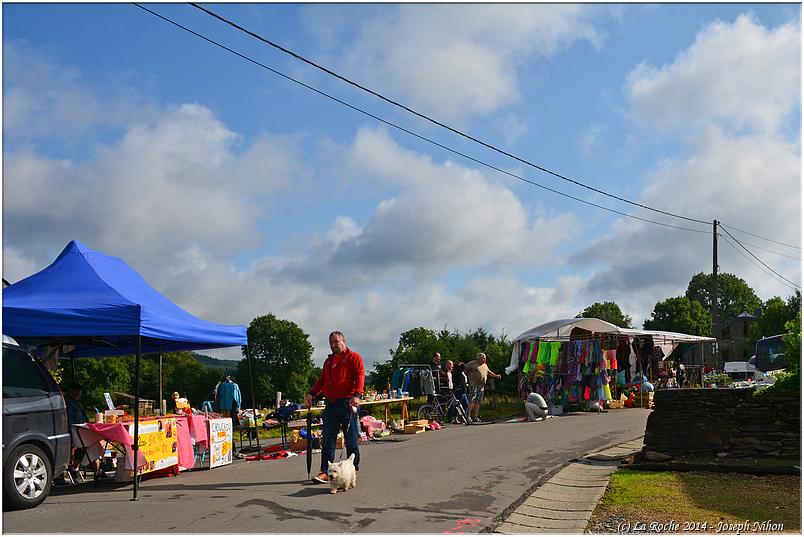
703	497
762	462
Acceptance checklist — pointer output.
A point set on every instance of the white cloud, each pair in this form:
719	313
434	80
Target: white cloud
737	84
742	75
752	183
440	216
452	61
42	99
371	319
161	189
591	137
16	265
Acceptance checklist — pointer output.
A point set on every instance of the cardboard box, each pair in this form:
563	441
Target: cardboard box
414	429
418	422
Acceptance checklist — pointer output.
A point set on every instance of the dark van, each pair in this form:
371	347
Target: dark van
36	442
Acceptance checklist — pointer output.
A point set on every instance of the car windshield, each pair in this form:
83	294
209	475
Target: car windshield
23	376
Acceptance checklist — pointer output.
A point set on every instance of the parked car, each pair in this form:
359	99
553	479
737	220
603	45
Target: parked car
36	442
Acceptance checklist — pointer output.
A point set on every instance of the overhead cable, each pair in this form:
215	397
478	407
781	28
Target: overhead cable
760	267
759	237
758	259
771	251
412	133
436	122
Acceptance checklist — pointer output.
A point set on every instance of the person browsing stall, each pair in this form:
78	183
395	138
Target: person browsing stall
76	415
460	385
477	371
536	407
341	384
436	371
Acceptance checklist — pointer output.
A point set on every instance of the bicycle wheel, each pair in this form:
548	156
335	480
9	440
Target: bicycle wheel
428	412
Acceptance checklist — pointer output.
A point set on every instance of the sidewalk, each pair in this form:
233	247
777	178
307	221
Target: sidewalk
564	503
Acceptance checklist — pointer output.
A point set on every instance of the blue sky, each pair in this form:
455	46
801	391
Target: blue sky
237	193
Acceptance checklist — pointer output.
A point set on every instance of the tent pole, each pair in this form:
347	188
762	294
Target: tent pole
702	365
253	397
160	384
135	447
72	364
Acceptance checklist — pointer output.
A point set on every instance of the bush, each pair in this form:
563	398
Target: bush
787	383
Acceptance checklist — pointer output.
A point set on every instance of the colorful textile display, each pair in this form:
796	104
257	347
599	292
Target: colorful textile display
574	371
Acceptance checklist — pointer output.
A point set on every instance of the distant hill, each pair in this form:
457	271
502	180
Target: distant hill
216	363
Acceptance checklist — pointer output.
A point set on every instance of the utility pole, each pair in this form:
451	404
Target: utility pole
715	353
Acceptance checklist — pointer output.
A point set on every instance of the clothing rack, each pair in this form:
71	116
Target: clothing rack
436	378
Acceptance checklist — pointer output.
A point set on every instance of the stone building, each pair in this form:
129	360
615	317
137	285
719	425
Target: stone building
734	338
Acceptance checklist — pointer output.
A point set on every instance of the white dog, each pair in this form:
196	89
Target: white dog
342	475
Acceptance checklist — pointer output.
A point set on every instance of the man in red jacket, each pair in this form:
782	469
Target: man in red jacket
341	383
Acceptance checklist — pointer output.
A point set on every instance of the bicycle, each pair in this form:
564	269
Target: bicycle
442	408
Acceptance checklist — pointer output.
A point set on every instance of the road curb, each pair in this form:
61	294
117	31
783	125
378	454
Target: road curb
564	501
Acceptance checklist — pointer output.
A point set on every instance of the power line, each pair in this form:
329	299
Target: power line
772	251
759	237
434	121
411	133
758	259
769	273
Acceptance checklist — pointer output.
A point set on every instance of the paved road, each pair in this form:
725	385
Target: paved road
454	480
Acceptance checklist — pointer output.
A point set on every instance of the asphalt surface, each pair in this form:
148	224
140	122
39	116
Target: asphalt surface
457	480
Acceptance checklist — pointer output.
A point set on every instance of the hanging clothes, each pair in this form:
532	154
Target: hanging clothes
427	382
415	385
406	379
228	395
396	378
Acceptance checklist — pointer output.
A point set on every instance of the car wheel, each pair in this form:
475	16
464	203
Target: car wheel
27	477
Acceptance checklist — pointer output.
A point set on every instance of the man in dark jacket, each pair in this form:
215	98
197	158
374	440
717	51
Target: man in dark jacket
341	383
435	370
75	415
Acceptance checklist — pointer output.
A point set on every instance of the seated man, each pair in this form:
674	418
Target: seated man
536	407
76	415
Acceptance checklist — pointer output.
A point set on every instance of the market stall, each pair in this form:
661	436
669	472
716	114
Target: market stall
99	306
583	360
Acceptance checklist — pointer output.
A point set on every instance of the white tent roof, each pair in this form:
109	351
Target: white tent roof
560	329
660	336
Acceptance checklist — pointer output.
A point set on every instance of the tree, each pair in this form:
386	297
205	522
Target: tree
792	344
281	357
609	312
98	375
794	304
183	373
772	318
680	314
416	346
734	296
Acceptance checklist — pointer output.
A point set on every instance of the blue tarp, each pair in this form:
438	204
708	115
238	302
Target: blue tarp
101	304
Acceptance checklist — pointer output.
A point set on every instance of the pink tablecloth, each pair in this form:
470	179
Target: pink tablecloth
199	431
90	435
185	443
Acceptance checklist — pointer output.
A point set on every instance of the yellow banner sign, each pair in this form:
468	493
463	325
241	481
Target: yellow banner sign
158	443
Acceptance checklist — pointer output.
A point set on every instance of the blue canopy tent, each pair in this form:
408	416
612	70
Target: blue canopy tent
103	307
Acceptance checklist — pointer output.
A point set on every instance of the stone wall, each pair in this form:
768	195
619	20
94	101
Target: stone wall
733	421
